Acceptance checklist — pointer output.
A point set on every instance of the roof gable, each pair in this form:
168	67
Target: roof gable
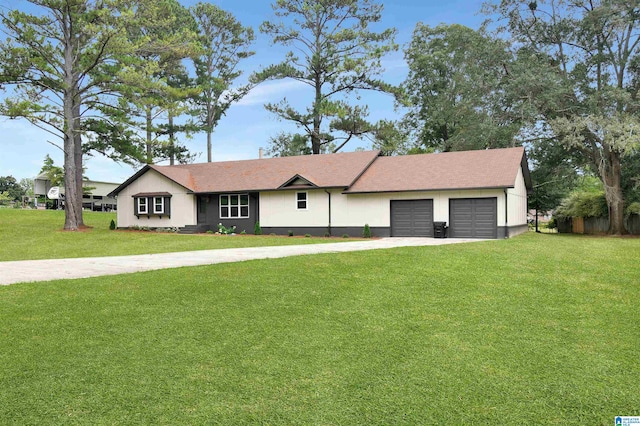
298	182
323	171
181	179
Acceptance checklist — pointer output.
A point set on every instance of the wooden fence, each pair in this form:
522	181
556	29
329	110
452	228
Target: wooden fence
596	225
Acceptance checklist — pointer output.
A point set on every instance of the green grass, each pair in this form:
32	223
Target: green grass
37	234
539	329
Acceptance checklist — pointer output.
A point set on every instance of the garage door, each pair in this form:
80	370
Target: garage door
412	218
473	218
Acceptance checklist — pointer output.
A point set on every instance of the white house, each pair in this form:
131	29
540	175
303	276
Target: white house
479	194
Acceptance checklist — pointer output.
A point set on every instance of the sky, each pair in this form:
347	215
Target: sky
247	126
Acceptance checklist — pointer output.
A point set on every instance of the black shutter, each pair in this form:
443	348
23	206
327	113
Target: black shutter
167	206
135	207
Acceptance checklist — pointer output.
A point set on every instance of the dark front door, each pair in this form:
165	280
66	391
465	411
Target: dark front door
412	218
202	209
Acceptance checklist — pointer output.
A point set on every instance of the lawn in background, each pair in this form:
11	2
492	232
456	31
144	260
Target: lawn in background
539	329
37	234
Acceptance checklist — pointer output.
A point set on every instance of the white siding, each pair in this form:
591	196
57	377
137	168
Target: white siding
100	188
278	209
517	197
374	209
183	210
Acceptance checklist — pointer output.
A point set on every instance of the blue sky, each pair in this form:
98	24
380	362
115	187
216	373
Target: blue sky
247	125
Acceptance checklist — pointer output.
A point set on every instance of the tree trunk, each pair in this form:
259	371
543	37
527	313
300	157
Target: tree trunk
172	144
149	122
77	141
315	136
72	202
209	145
72	213
613	192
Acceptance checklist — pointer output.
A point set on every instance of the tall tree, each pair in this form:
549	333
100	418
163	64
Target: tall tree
160	86
390	138
224	43
288	145
9	185
337	55
580	74
54	173
554	174
454	90
58	61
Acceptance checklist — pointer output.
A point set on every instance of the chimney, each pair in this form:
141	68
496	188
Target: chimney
260	153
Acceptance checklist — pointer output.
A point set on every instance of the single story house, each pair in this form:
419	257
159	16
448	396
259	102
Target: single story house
480	194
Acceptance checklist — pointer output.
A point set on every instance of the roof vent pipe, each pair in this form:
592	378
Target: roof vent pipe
260	153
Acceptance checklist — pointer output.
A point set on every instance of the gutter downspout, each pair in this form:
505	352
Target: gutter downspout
329	227
506	214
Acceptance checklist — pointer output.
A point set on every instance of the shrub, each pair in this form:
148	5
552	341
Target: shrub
552	224
584	204
290	233
633	208
209	231
112	225
226	231
257	230
327	234
307	235
273	234
243	232
366	232
345	235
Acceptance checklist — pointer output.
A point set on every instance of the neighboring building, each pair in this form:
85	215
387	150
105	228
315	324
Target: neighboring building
480	194
543	216
96	197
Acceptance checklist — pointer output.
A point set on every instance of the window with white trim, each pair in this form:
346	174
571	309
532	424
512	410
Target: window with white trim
234	206
301	200
143	208
158	205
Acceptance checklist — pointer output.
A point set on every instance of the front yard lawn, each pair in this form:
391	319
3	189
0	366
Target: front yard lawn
540	329
37	234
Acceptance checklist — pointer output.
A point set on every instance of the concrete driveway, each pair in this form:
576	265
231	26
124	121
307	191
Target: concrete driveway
56	269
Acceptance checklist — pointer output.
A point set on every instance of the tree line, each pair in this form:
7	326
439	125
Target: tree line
118	78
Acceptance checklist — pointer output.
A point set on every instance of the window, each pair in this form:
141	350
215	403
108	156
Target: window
152	203
202	205
142	205
301	200
234	206
158	205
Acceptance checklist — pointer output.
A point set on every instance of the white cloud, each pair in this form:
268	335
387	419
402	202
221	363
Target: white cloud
271	92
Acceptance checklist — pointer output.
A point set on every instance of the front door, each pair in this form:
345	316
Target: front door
202	209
